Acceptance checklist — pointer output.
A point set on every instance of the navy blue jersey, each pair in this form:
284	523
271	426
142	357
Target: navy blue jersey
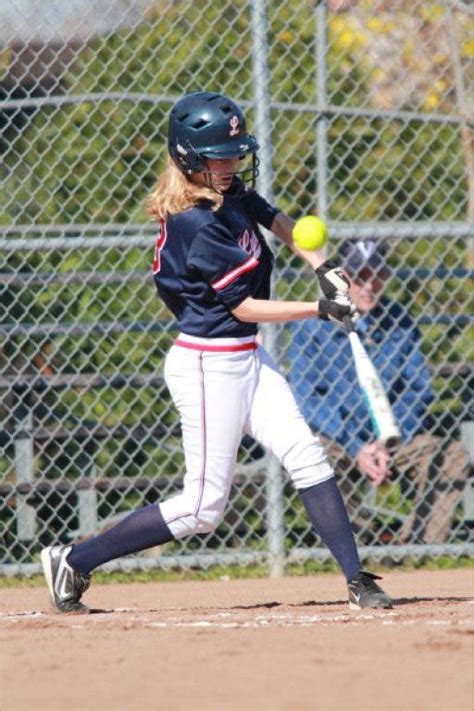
206	263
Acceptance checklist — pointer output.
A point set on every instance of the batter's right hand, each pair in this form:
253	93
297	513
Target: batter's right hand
330	310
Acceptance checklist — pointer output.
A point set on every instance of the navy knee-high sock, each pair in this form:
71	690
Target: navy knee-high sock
327	512
141	529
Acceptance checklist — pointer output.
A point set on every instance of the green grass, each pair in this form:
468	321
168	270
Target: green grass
238	572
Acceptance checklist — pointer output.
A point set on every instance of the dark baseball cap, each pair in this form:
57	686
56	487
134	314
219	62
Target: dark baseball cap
356	255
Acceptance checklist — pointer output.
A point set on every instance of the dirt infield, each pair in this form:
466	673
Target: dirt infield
246	644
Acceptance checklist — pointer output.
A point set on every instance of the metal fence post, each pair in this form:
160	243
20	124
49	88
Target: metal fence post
464	111
263	129
467	440
24	470
87	506
321	102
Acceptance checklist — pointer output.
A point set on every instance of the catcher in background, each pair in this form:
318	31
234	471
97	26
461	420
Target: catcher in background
431	470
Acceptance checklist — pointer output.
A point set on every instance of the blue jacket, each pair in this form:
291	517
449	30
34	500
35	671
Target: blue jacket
324	381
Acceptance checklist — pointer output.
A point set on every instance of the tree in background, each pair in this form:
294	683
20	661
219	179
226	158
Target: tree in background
95	160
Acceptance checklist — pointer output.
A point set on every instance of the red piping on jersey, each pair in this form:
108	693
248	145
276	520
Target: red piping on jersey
252	346
249	264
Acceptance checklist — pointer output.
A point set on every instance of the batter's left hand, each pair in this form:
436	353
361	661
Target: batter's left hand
332	280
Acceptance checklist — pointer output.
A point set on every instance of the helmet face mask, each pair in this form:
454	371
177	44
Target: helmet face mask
246	175
207	125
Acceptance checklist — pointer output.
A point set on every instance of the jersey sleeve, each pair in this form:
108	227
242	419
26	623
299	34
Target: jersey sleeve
222	264
258	209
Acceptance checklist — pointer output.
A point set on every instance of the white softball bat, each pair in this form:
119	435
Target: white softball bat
378	405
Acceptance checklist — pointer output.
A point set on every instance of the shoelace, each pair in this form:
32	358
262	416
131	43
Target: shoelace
370	583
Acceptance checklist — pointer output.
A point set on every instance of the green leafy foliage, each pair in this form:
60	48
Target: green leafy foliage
95	159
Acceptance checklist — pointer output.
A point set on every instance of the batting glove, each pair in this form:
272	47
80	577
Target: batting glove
330	310
332	280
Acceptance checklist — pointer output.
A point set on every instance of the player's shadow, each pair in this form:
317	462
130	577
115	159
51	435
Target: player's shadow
270	605
435	598
100	611
397	602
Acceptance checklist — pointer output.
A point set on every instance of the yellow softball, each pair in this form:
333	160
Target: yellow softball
310	233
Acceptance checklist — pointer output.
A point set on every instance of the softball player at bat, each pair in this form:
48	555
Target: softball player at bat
212	269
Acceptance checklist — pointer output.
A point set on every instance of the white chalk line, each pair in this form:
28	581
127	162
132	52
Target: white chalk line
234	620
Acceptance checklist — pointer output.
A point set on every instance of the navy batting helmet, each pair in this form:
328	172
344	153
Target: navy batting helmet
208	125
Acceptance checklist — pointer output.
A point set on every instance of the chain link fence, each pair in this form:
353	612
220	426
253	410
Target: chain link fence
363	110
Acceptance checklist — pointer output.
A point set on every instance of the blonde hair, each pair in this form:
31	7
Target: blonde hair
175	193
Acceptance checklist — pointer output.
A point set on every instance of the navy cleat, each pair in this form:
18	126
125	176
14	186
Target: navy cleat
365	593
66	585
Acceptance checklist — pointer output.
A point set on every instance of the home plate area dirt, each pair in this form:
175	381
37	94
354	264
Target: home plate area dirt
242	645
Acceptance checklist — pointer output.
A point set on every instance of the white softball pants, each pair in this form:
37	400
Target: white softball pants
220	395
